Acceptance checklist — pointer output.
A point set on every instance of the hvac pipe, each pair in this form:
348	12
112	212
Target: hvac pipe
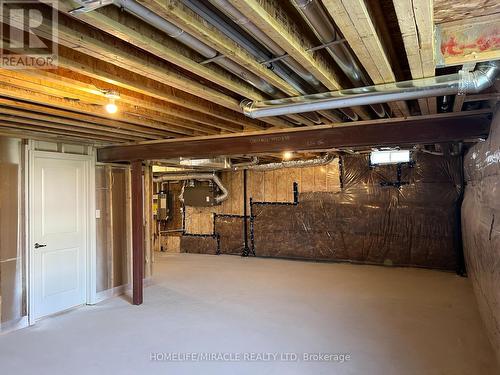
240	19
197	176
461	83
206	51
326	159
315	15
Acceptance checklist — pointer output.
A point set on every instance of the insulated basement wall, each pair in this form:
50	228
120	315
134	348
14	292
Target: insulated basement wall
12	262
481	227
348	212
269	186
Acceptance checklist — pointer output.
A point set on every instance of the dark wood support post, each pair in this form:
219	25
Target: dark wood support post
137	233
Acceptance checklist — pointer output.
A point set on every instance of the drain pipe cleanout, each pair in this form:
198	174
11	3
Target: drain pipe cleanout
461	83
200	177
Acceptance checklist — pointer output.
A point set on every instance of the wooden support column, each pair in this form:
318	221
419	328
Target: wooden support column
137	233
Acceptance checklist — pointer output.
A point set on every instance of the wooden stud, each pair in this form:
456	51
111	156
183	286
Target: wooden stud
137	233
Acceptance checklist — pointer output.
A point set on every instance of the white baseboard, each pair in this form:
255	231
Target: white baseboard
118	290
13	325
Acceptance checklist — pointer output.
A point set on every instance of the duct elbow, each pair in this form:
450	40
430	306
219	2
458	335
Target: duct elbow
247	106
485	75
480	79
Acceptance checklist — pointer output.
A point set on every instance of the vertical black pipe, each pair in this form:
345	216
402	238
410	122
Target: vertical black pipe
246	250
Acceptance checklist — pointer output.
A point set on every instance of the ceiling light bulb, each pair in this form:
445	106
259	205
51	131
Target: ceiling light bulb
287	155
111	107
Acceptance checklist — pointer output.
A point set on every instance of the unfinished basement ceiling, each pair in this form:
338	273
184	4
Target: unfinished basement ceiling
181	68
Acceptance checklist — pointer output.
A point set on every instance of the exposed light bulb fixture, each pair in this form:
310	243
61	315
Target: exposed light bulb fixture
112	95
111	107
287	155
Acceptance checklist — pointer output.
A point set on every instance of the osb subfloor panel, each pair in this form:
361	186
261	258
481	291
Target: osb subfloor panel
392	321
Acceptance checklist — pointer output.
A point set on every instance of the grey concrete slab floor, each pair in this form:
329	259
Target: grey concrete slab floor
230	315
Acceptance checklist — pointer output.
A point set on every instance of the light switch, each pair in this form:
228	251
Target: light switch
97	214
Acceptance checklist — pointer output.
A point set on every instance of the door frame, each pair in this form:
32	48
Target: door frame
90	221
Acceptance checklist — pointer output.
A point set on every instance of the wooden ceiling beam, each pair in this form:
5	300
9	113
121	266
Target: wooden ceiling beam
415	18
31	80
65	114
273	20
134	31
37	96
268	16
471	40
78	36
184	118
74	135
353	19
189	21
28	117
105	72
35	125
384	132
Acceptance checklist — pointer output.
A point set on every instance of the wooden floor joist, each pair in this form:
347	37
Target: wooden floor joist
180	118
30	132
80	117
415	18
38	120
78	36
353	19
126	27
17	93
147	118
270	18
190	22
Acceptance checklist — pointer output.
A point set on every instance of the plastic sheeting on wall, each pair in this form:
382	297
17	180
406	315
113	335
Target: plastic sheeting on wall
481	227
12	262
379	216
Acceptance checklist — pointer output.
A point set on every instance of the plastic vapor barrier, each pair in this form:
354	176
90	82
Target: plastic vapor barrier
481	227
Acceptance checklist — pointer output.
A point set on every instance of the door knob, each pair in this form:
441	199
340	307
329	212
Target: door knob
37	245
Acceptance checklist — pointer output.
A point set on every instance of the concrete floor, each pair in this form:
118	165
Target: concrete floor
391	321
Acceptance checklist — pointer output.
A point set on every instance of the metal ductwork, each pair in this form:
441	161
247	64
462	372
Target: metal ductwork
328	158
460	83
239	18
317	18
197	176
206	51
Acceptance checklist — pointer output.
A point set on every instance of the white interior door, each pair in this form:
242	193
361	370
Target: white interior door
59	234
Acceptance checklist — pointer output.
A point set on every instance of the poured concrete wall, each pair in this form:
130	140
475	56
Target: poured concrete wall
481	227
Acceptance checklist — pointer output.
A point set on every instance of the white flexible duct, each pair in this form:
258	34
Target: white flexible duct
328	158
197	176
461	83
